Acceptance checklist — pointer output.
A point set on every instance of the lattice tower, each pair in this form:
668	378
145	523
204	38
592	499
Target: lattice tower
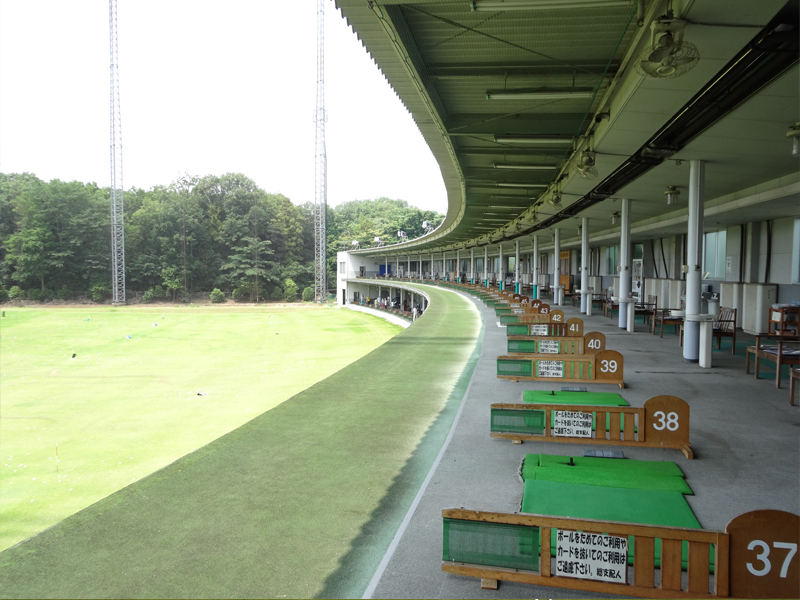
321	167
117	207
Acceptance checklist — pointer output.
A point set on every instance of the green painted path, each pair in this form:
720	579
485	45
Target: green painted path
301	501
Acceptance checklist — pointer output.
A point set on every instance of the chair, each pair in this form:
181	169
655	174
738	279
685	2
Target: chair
663	317
724	326
785	352
647	309
609	306
794	375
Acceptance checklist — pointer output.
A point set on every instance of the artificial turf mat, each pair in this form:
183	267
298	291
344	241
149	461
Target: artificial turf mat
301	501
624	465
665	483
587	398
610	504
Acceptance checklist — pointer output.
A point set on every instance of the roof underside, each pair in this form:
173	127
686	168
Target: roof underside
444	60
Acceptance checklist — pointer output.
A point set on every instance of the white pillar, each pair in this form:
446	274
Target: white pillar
585	265
386	266
472	265
516	266
502	279
397	258
694	247
486	266
535	269
557	268
624	291
458	266
408	270
419	266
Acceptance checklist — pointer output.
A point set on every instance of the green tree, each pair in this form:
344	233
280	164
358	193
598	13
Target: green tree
289	290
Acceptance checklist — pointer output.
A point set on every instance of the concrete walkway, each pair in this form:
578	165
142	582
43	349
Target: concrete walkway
745	436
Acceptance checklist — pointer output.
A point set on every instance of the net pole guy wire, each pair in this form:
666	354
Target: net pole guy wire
321	166
117	206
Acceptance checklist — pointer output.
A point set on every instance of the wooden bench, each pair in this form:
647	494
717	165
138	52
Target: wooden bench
785	351
663	422
572	328
603	367
591	343
741	568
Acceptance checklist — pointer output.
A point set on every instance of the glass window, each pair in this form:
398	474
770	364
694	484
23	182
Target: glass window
613	260
341	268
714	254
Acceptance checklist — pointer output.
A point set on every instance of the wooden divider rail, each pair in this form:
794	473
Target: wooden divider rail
591	343
604	367
572	328
743	566
543	315
663	422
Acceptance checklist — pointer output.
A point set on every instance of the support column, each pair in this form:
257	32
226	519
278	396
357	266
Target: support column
397	258
624	291
472	265
694	247
585	264
458	266
557	268
516	266
535	270
386	266
501	281
419	266
486	266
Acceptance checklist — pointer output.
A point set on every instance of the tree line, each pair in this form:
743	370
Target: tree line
196	234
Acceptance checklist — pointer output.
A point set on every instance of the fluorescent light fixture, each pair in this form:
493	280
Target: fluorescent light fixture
540	140
499	5
521	185
540	94
508	207
524	167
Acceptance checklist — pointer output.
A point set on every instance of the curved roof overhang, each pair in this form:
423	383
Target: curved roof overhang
446	62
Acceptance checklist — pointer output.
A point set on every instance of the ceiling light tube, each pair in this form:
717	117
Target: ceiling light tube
543	94
524	167
508	207
500	5
532	139
521	185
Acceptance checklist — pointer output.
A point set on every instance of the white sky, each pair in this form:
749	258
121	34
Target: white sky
206	88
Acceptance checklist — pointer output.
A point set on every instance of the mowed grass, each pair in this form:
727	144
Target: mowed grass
128	403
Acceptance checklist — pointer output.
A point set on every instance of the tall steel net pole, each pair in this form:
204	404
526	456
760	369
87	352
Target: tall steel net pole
321	167
117	216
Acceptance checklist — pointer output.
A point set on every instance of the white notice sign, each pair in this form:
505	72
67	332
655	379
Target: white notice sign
591	556
550	368
568	423
515	305
538	329
518	311
548	347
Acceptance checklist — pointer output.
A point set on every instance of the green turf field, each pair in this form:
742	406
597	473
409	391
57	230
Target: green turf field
127	406
301	501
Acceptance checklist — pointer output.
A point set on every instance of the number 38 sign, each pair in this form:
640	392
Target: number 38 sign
763	555
667	421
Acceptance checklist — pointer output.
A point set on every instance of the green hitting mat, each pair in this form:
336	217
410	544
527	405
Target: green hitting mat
587	398
664	483
633	468
651	507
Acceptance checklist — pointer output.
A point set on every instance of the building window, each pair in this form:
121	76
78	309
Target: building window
613	260
341	268
714	254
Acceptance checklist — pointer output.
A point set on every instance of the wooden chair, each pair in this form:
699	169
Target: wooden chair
794	375
784	320
724	326
609	306
647	309
785	352
663	317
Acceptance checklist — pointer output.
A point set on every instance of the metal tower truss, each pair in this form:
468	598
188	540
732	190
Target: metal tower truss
117	208
321	167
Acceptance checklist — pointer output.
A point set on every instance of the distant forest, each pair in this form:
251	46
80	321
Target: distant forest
194	235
